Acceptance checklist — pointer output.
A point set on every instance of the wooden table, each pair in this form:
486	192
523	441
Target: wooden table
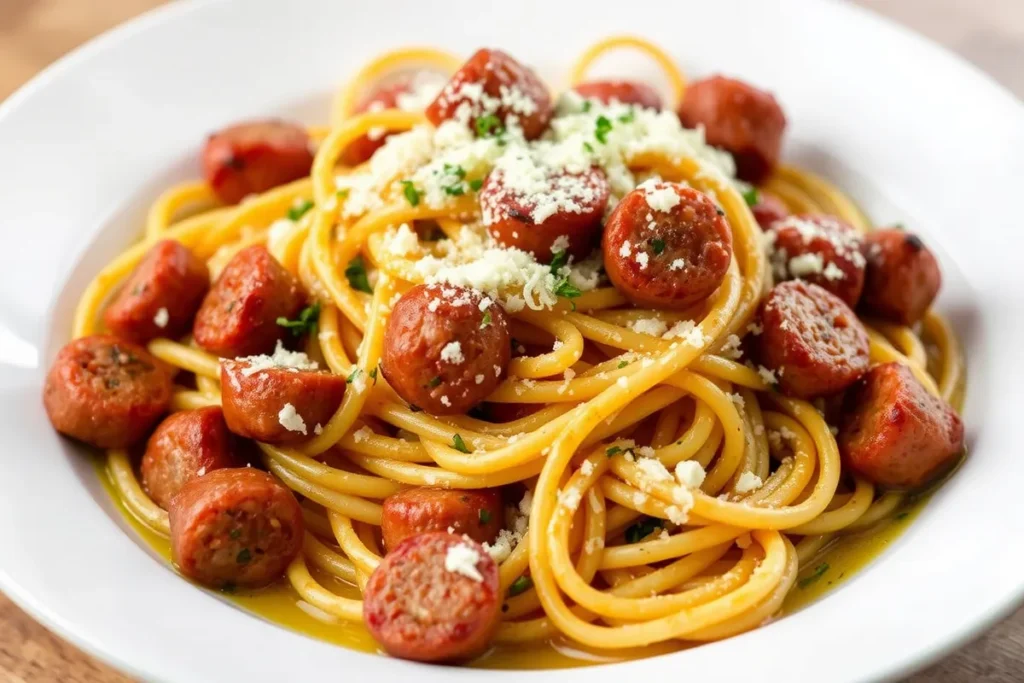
33	33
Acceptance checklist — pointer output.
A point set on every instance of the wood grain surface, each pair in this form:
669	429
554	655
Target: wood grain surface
33	33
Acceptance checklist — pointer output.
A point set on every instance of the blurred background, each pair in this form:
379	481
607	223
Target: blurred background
33	33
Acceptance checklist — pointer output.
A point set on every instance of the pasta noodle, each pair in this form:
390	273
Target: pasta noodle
719	560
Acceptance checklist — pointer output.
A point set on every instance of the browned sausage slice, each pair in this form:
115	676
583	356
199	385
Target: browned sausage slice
239	314
903	276
106	392
767	209
493	90
161	295
435	597
739	118
446	348
561	212
266	399
406	94
186	445
626	92
812	341
235	527
253	157
666	246
897	434
819	249
477	514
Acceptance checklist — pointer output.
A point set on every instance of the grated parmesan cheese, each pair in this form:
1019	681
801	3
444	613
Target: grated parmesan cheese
281	359
291	420
748	482
161	318
452	353
462	559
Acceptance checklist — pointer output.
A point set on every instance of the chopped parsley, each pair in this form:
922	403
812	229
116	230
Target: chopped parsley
612	451
454	170
305	323
243	556
476	184
750	196
435	381
489	126
343	193
602	127
520	586
412	195
373	376
356	274
484	516
570	291
587	104
623	363
460	445
558	259
628	117
352	376
642	529
589	147
299	210
455	190
818	572
486	321
658	245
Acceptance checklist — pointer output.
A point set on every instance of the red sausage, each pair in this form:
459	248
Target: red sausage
384	97
566	213
897	434
626	92
278	405
106	392
767	209
666	246
418	608
185	446
493	84
903	276
812	341
235	527
819	249
161	295
739	118
442	352
253	157
477	514
239	314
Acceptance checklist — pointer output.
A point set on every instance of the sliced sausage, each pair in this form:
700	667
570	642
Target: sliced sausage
477	514
550	210
666	246
812	341
767	209
384	97
903	276
895	433
235	527
186	445
161	295
106	392
255	156
434	597
239	314
626	92
446	348
276	404
819	249
737	117
490	90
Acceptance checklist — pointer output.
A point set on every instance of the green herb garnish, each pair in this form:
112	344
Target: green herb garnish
305	323
484	516
520	586
299	210
589	147
818	572
602	127
434	381
243	556
750	196
612	451
558	259
459	445
628	117
623	363
489	125
455	190
658	245
356	274
486	321
373	376
476	184
456	171
412	195
642	529
352	376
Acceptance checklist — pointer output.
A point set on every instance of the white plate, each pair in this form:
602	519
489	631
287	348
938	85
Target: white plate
912	132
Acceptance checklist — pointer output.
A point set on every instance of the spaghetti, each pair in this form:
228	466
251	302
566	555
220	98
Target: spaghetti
610	554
